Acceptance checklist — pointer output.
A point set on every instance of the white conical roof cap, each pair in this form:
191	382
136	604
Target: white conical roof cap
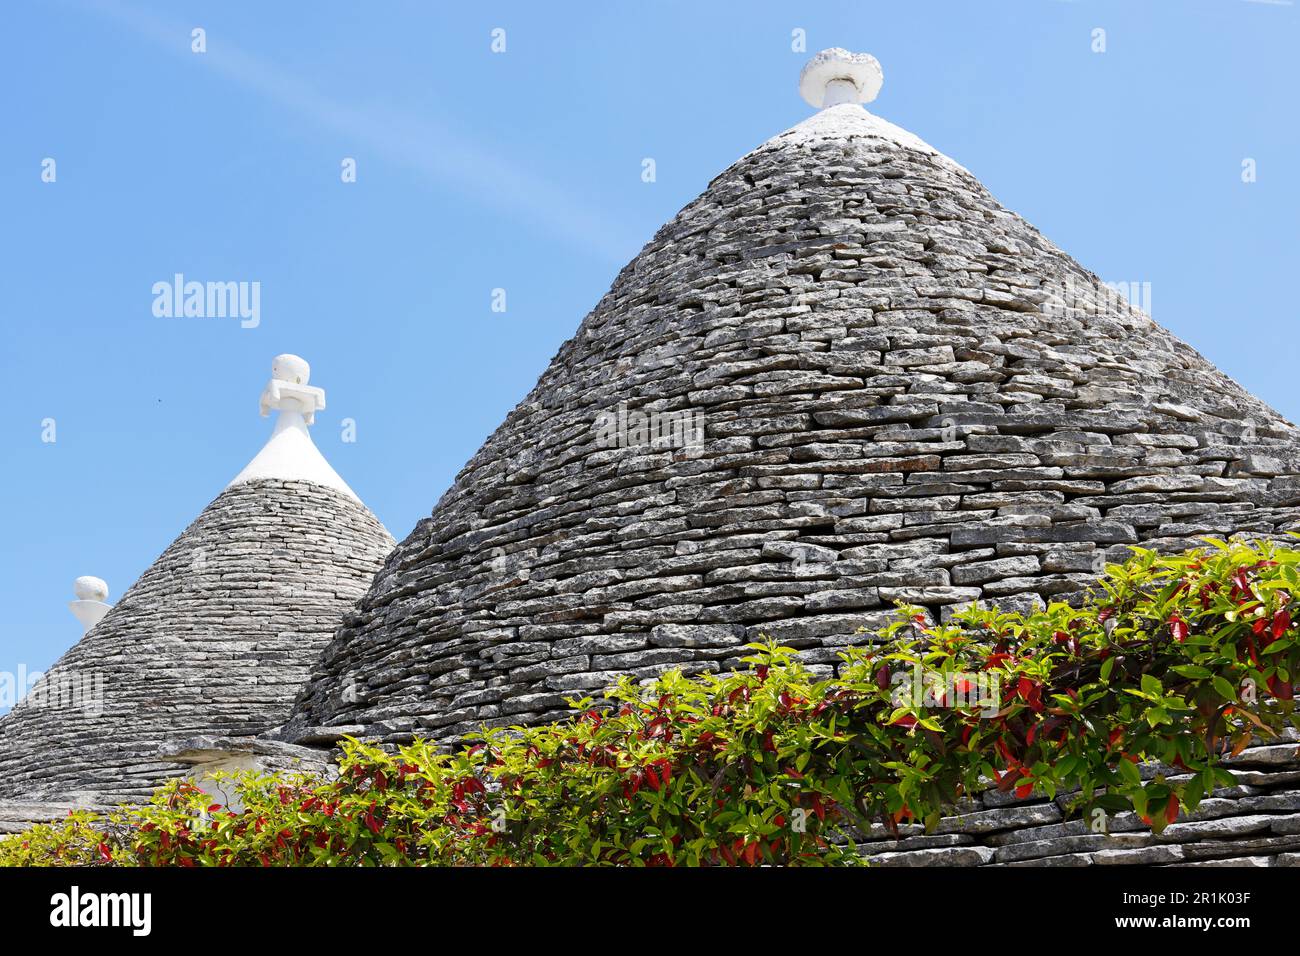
290	454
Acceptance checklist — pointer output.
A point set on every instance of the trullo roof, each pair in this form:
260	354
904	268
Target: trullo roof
844	375
215	637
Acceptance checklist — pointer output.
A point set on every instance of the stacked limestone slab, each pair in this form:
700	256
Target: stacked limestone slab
1255	824
17	816
908	393
212	641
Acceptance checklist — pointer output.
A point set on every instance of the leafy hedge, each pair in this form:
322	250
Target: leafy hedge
1176	659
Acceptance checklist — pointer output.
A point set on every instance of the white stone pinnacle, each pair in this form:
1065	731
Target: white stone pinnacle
288	389
90	605
290	454
836	76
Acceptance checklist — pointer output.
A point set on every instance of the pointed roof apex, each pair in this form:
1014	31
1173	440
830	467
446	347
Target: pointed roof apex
836	76
291	454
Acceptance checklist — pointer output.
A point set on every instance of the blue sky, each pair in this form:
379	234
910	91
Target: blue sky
522	170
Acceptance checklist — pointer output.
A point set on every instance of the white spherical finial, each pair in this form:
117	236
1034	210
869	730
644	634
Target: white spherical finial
89	607
837	76
88	588
290	368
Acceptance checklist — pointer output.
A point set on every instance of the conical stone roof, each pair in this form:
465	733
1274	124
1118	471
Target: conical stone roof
213	640
905	392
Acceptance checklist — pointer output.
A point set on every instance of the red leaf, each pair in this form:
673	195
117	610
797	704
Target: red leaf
214	808
1281	621
1171	811
105	853
1178	628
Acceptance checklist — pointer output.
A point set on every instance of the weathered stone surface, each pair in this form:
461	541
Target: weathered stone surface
1239	861
17	816
1039	849
697	635
1245	823
942	856
1227	827
1002	819
1142	856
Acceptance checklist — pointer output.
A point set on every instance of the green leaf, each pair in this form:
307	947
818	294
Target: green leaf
1129	771
1107	666
1225	689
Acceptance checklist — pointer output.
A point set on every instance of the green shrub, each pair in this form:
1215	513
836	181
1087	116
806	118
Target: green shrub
1174	659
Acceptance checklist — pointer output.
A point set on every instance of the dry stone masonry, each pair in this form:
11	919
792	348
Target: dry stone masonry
209	647
908	394
843	377
214	638
1255	823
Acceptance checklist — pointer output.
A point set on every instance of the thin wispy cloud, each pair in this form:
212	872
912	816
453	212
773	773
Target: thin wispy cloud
443	157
